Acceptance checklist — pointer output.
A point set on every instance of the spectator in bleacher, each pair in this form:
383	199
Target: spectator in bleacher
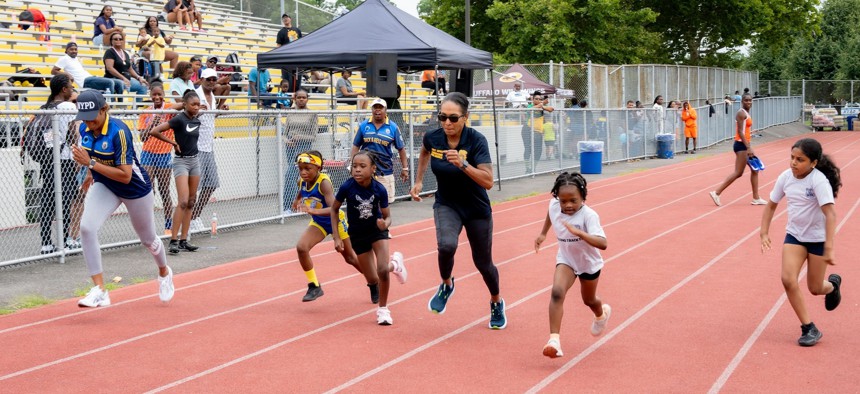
284	96
320	78
209	180
429	79
345	94
72	65
177	13
105	26
194	15
286	35
156	155
258	86
59	99
118	65
37	19
300	131
151	35
196	69
516	98
181	81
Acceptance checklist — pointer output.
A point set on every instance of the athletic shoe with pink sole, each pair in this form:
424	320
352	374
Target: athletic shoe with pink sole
399	267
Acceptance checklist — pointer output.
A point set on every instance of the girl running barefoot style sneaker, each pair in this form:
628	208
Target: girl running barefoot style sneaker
118	178
580	239
315	198
810	187
369	218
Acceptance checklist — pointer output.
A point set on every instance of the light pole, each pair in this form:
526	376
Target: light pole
468	23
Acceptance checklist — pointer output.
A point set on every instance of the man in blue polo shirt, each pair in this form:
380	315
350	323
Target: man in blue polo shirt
380	135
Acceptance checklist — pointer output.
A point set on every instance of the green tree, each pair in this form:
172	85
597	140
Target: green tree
703	32
449	16
602	31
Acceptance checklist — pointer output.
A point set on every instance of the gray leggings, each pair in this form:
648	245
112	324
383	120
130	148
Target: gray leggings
449	224
99	205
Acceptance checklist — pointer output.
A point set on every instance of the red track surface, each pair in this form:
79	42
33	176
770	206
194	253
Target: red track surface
696	307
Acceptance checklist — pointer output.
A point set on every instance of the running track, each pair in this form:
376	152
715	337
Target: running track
696	308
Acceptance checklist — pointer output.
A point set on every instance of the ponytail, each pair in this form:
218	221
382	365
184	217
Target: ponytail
831	171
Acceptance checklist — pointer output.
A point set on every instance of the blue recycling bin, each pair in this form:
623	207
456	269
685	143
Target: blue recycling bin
590	157
666	146
851	119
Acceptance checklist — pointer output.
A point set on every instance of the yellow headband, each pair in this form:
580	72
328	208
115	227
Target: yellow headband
310	159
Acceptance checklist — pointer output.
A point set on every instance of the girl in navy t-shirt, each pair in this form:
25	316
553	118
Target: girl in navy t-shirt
369	218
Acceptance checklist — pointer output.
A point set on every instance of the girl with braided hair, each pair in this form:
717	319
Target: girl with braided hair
580	235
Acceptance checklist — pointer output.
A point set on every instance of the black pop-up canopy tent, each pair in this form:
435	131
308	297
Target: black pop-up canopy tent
376	27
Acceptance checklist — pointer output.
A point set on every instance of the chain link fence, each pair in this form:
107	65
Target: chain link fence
254	152
839	98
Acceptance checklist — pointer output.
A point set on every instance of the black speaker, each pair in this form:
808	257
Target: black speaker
381	75
463	81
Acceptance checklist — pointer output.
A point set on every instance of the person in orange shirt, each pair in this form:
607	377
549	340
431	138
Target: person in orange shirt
743	152
429	79
691	127
155	157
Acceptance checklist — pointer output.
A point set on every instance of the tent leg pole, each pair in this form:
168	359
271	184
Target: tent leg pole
496	128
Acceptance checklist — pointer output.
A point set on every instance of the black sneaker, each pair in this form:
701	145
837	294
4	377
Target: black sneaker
173	247
498	320
810	336
184	245
832	299
439	301
374	293
313	293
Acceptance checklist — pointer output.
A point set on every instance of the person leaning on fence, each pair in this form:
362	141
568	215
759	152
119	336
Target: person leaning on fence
104	26
382	136
300	132
346	95
659	115
107	150
532	132
222	85
71	64
209	180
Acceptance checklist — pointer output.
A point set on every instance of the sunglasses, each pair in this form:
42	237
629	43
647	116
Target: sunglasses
212	79
452	118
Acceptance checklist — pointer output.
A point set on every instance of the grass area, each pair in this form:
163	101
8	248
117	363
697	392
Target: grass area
25	302
515	198
82	291
139	279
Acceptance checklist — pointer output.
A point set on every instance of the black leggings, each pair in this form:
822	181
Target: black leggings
68	171
449	224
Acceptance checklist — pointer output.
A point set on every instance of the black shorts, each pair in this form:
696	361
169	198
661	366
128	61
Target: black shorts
739	146
365	243
584	276
816	248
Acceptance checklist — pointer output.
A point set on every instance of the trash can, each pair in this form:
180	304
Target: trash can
851	119
666	146
590	157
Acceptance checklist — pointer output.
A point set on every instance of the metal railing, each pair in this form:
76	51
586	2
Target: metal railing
254	161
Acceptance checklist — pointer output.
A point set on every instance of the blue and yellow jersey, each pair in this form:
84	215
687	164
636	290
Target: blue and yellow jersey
113	146
313	198
384	140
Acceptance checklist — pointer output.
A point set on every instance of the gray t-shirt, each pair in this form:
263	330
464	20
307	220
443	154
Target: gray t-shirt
342	82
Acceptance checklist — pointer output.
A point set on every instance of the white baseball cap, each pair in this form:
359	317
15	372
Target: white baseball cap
208	73
378	101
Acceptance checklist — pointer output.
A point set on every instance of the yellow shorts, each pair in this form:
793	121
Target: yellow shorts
342	226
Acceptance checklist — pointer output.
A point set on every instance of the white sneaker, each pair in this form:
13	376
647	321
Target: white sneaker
597	326
399	267
165	286
552	349
72	243
196	225
95	297
46	249
287	212
716	198
759	201
383	316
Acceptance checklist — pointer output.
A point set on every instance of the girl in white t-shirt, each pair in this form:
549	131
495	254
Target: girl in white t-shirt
809	186
580	235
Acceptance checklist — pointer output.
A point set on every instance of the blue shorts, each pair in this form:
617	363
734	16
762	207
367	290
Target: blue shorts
157	160
739	146
365	243
816	248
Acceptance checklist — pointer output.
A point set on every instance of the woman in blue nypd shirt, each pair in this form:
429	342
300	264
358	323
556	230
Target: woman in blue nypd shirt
460	159
107	150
